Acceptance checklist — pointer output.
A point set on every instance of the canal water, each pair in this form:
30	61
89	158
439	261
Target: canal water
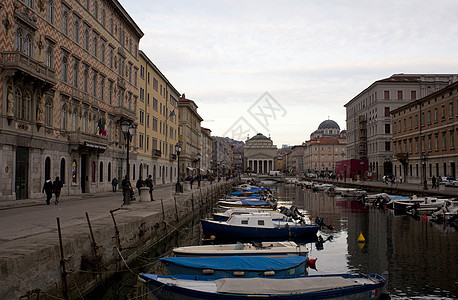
418	259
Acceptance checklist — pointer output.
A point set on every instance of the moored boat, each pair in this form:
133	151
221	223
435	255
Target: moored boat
257	226
270	249
237	266
338	286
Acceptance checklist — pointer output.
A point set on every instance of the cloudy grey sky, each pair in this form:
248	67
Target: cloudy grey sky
310	57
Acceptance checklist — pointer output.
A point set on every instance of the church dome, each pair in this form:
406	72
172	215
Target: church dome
259	136
329	124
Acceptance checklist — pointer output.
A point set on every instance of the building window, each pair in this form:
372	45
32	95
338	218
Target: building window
48	111
142	94
50	11
435	115
155	104
140	140
28	44
103	17
442	112
444	140
450	110
95	46
111	25
413	95
142	72
102	50
422	118
430	143
76	31
64	69
154	125
75	72
86	39
94	84
111	57
387	128
387	111
64	115
85	79
142	116
110	92
452	139
65	21
101	171
400	95
436	137
416	121
93	171
102	88
50	55
410	122
394	127
155	84
19	40
96	9
386	95
147	120
429	118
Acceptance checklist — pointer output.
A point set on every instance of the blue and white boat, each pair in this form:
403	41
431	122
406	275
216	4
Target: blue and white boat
225	215
338	286
245	203
257	226
237	266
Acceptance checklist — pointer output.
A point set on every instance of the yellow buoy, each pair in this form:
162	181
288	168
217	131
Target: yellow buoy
361	238
361	245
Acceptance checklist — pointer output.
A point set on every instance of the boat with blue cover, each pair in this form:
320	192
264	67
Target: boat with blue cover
237	266
257	226
336	286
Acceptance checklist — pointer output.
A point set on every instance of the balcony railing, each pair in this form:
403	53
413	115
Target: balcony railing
122	112
15	60
88	140
157	153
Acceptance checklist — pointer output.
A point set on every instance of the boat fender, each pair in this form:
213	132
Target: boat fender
269	273
238	273
208	272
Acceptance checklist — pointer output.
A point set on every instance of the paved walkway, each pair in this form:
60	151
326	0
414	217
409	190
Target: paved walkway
415	188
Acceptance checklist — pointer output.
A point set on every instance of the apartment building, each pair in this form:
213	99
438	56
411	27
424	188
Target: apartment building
368	115
424	136
157	130
189	132
206	151
68	78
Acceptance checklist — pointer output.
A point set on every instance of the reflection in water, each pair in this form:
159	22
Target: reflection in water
418	259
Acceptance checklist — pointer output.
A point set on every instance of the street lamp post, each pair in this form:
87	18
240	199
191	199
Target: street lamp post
424	158
345	172
178	186
198	171
128	128
362	165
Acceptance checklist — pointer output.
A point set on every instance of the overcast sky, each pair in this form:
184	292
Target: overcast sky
283	67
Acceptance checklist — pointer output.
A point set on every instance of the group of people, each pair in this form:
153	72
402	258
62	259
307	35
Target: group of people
51	188
128	191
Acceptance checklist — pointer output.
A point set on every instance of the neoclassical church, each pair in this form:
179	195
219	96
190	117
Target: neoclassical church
259	154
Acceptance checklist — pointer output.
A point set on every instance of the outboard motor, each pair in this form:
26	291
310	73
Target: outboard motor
319	221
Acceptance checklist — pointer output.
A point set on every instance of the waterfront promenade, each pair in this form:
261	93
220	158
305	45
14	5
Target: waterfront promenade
29	241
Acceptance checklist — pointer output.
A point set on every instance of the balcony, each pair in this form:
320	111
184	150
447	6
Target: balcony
173	156
17	61
157	153
403	157
121	112
87	141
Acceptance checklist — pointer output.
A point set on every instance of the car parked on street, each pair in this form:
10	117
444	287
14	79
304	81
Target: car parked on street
449	181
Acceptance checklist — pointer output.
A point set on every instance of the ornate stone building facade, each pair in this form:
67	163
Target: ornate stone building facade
68	77
369	132
259	154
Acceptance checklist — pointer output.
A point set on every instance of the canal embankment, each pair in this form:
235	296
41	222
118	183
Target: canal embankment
97	238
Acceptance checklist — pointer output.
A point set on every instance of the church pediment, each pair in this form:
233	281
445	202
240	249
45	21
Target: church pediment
259	156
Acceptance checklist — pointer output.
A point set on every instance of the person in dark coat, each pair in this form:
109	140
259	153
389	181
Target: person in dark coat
114	184
139	184
47	188
57	187
126	190
434	181
149	183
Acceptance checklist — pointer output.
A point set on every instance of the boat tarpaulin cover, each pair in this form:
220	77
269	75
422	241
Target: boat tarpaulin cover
254	203
268	286
248	263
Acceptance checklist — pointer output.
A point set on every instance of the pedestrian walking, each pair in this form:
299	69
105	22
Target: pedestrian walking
400	178
139	184
434	181
47	188
149	183
114	184
57	187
